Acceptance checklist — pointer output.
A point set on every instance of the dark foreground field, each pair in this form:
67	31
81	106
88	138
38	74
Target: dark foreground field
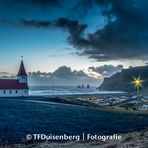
19	117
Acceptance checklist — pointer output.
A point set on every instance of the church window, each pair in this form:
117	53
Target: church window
4	91
16	91
10	91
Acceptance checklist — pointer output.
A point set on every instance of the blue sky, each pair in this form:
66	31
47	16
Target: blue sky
47	48
43	50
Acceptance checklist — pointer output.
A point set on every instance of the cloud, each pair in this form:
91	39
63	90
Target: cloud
39	74
63	76
39	2
66	76
124	36
65	72
106	70
77	7
5	75
73	27
36	23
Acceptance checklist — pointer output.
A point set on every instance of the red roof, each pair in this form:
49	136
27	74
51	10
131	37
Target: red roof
22	71
12	84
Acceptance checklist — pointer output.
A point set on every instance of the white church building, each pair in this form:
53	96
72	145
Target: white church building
15	87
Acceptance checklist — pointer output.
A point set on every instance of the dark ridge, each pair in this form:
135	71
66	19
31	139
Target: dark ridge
122	81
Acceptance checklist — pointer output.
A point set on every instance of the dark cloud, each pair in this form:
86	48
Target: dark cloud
106	70
74	28
125	35
35	23
76	8
39	2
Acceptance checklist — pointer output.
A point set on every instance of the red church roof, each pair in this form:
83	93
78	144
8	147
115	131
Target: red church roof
12	84
22	71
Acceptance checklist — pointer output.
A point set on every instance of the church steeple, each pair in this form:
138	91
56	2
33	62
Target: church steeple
22	75
22	71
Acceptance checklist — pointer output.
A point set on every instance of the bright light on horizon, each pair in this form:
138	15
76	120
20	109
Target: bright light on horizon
137	83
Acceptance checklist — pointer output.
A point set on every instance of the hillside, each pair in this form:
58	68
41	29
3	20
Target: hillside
122	81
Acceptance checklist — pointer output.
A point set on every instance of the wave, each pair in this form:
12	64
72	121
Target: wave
62	90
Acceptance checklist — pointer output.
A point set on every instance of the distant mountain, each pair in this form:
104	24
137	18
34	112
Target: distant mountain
122	81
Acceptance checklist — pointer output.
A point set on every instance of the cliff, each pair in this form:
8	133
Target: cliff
122	81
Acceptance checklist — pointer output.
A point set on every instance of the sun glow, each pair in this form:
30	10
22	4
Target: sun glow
93	74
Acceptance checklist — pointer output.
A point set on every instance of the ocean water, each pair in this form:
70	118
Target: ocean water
65	90
19	117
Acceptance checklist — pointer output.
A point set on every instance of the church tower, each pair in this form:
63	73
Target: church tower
22	75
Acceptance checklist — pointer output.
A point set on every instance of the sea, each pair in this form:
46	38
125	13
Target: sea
65	90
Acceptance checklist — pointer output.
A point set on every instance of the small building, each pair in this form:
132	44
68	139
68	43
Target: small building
144	107
15	87
145	99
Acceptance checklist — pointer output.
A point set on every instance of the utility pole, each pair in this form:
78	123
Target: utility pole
53	85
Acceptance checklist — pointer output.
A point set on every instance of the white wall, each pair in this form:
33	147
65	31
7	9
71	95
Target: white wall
20	92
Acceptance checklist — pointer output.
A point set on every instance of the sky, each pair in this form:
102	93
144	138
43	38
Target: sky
83	35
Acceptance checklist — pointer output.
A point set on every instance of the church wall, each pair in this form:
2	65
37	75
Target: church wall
13	92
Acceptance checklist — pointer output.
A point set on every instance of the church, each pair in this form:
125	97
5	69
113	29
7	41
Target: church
15	87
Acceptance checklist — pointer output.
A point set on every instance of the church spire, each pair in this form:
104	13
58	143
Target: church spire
22	71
